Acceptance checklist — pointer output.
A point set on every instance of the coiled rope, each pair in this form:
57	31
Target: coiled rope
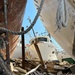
30	27
62	14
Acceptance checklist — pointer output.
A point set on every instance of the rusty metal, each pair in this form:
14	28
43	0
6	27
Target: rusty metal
29	28
23	50
15	14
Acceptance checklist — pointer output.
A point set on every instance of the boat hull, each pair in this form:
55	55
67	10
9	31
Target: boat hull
46	49
15	11
66	35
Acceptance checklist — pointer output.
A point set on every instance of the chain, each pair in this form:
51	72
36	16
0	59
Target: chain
30	27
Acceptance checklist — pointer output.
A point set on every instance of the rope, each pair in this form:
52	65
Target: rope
62	14
2	43
30	27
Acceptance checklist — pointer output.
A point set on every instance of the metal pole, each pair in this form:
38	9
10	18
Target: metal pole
7	44
23	50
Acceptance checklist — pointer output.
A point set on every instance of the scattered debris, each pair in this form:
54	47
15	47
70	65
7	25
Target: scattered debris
35	68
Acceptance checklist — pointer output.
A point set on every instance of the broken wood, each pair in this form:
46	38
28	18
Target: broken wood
33	70
21	70
38	52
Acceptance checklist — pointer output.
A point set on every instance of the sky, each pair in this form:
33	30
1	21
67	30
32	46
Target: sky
30	11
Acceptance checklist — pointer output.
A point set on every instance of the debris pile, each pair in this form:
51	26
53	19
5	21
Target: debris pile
35	68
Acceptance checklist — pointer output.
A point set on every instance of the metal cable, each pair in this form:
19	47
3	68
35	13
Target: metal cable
29	28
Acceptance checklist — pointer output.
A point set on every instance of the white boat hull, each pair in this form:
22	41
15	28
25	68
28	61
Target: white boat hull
45	50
